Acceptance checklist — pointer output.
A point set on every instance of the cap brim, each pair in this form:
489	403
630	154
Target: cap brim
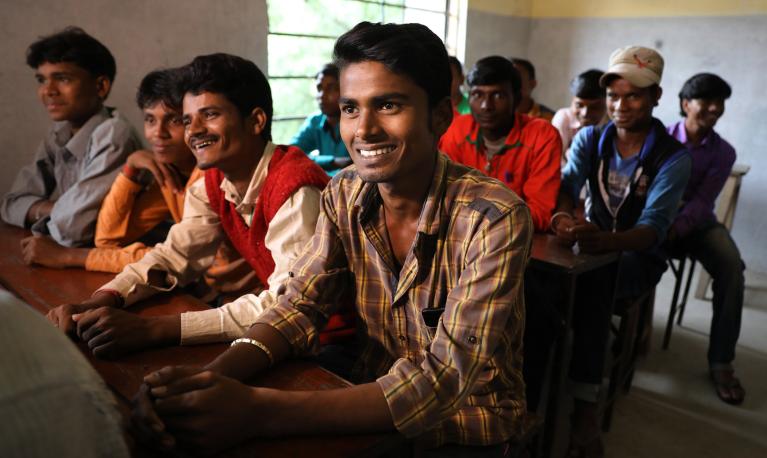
639	77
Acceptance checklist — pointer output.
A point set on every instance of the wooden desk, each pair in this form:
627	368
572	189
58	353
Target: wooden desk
45	289
548	254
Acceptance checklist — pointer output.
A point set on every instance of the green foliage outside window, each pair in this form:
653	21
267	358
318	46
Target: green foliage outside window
294	60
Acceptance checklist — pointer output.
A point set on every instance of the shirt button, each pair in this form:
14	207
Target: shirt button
401	338
472	340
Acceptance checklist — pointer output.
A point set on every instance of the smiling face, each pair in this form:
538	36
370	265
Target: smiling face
216	132
387	125
588	112
703	112
164	130
492	106
327	95
69	92
630	107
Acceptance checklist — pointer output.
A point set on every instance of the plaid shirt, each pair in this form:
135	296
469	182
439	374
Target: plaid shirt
443	336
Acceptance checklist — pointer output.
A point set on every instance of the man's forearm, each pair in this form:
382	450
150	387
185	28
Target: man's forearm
244	360
37	211
564	203
357	409
75	257
636	239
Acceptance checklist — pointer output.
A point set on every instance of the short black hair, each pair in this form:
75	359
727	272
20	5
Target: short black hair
529	67
455	63
160	86
407	49
237	79
329	69
495	70
586	85
704	86
73	45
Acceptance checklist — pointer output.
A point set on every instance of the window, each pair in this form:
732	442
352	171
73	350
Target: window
302	34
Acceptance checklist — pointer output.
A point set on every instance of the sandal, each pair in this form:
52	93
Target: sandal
727	386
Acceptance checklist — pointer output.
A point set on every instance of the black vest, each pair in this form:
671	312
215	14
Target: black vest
658	147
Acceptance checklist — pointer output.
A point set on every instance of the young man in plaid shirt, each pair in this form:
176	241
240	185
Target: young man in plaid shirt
431	253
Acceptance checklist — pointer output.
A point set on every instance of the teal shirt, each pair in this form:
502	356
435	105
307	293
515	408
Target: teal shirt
463	106
317	134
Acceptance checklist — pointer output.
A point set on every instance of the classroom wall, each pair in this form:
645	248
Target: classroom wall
727	38
141	34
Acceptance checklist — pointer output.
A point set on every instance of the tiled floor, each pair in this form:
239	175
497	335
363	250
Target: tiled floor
672	410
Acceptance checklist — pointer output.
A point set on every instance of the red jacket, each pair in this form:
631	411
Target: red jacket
529	163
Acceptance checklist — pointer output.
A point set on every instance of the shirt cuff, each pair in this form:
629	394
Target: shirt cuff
203	327
294	326
411	402
132	290
17	211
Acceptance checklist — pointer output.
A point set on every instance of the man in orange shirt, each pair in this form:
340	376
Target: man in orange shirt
522	152
137	205
527	104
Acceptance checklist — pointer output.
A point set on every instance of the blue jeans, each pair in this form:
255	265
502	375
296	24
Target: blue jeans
712	246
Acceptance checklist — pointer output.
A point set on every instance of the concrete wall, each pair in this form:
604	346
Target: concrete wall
692	36
141	34
488	33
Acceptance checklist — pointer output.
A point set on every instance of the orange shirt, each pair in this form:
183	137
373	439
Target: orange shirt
528	163
541	111
130	210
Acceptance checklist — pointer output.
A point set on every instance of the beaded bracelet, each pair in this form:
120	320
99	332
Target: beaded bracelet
258	344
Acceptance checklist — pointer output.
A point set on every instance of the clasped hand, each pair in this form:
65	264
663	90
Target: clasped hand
590	238
193	408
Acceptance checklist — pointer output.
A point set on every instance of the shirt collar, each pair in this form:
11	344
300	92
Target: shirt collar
256	181
369	199
679	131
605	141
78	143
535	109
335	131
512	139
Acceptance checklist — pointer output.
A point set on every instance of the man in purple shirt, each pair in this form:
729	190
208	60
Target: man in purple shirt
697	232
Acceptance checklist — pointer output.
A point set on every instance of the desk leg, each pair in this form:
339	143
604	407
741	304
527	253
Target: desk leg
559	373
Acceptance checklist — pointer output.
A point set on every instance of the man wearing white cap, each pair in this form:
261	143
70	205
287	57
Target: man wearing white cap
635	175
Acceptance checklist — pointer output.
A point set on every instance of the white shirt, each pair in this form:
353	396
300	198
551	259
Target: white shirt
191	245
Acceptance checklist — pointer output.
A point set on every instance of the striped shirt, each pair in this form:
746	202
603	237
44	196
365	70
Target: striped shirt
443	335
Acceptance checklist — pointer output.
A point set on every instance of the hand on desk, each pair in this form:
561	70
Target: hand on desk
43	250
195	408
61	316
112	332
592	239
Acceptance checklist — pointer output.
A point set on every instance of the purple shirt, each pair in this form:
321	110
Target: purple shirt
712	162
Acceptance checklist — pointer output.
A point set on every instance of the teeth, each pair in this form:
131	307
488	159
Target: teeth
376	152
203	144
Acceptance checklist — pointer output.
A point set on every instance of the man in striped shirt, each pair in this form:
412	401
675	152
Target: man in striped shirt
431	253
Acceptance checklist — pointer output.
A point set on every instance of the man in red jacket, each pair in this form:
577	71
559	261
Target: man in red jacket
520	151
